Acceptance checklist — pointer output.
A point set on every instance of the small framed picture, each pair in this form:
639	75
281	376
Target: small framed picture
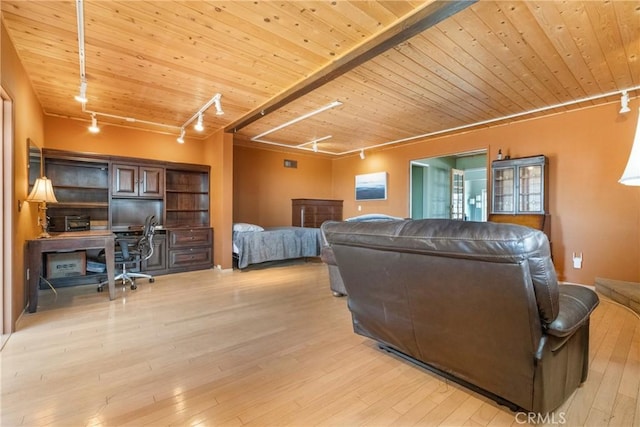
371	186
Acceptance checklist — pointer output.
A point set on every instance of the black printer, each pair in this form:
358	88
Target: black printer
69	223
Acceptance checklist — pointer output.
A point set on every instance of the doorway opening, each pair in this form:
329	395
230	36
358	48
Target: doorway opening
453	187
6	216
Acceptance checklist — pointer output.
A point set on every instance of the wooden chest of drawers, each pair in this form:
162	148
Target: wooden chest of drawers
313	212
190	248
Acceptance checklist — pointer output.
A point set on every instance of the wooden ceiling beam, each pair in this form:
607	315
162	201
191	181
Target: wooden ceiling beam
429	15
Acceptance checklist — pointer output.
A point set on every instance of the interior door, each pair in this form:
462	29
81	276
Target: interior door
457	194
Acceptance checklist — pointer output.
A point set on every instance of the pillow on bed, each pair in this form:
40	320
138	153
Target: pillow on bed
243	226
373	217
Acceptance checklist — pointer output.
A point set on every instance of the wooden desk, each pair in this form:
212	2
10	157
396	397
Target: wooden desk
77	240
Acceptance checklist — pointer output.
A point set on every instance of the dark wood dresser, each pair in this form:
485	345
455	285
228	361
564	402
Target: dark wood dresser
313	212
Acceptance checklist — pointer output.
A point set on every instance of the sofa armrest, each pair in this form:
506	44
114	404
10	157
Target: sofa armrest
576	304
327	256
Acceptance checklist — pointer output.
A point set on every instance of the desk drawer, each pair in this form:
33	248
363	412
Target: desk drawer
194	257
190	237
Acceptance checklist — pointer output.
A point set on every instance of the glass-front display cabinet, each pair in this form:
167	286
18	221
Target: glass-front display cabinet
520	185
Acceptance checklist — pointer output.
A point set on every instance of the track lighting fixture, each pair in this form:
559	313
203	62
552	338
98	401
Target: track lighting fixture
624	102
314	143
94	124
181	137
362	154
216	102
82	96
199	126
296	120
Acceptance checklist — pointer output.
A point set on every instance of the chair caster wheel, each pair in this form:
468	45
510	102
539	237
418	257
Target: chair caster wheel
100	289
134	287
151	280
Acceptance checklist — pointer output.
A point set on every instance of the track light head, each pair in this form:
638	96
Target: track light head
199	126
180	139
94	124
218	106
315	146
362	154
624	102
82	96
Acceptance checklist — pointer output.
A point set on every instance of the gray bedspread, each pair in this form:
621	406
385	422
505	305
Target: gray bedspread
275	243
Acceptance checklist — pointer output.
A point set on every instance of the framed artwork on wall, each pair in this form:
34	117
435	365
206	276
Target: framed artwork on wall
371	186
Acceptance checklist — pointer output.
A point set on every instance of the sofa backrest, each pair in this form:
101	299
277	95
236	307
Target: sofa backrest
480	241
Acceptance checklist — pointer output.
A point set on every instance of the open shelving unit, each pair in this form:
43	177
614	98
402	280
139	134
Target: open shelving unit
81	185
187	198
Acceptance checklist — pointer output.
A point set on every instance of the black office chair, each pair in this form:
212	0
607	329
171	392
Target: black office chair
133	250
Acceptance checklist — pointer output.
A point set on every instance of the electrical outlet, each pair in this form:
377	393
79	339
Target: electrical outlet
577	260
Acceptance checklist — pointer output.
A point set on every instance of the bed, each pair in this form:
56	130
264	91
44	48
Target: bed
253	244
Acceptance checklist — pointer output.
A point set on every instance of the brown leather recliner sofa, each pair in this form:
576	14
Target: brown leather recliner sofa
478	303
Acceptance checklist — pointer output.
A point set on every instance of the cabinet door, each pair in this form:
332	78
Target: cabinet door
151	183
504	190
137	181
158	260
531	189
124	180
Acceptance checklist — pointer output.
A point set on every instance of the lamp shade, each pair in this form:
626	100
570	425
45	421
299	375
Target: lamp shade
42	191
631	174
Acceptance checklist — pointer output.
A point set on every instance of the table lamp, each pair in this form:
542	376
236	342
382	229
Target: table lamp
42	193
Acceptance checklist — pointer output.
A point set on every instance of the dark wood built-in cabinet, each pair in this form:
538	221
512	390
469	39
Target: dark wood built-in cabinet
130	180
118	193
313	212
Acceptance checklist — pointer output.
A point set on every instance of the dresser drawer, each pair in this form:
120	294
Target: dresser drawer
190	237
194	257
313	212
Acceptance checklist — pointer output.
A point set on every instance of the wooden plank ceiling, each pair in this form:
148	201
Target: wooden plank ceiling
158	62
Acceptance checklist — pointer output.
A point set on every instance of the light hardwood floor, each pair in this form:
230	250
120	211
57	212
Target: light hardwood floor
266	347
